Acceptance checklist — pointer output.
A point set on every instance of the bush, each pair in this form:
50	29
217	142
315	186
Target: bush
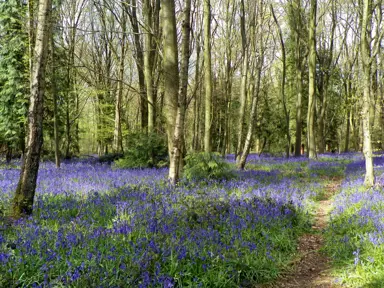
207	166
111	157
144	150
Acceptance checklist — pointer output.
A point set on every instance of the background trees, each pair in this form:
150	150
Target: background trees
240	82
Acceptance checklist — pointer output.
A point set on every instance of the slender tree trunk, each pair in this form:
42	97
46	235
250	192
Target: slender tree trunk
283	76
365	115
148	63
243	84
324	97
255	29
347	87
248	139
68	131
196	104
228	75
131	7
117	135
171	81
25	192
207	75
176	164
31	35
299	88
55	110
381	107
296	11
347	132
312	83
8	154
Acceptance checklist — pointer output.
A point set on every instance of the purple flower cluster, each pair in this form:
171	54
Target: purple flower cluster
356	231
120	228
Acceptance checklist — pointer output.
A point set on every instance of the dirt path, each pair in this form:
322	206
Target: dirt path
311	268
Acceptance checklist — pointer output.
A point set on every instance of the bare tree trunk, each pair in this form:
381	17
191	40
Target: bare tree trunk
117	135
243	85
196	104
312	83
347	86
31	35
171	80
248	139
131	8
347	132
176	164
55	111
253	91
283	76
25	192
297	23
148	63
229	18
324	97
207	75
365	115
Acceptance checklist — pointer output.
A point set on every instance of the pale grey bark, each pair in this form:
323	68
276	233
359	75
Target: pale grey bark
25	192
327	67
312	82
176	164
243	85
55	110
117	133
207	75
131	7
365	53
149	60
171	80
282	87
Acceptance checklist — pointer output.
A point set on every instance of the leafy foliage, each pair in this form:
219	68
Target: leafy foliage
13	72
207	166
109	158
144	150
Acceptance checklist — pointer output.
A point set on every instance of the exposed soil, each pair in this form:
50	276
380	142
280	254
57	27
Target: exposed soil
311	269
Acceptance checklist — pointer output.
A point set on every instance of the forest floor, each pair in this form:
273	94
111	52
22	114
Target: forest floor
311	268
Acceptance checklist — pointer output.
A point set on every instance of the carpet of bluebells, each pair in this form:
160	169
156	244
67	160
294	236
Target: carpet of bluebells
95	226
356	233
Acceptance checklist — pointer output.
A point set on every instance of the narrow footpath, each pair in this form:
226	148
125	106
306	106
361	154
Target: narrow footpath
311	269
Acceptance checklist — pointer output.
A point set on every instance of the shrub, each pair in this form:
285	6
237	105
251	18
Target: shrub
111	157
144	150
207	166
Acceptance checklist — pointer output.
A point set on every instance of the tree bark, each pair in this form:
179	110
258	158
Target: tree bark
248	139
207	75
117	133
282	87
25	192
196	103
328	66
55	110
297	23
176	164
148	63
312	83
131	8
243	85
365	113
171	81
